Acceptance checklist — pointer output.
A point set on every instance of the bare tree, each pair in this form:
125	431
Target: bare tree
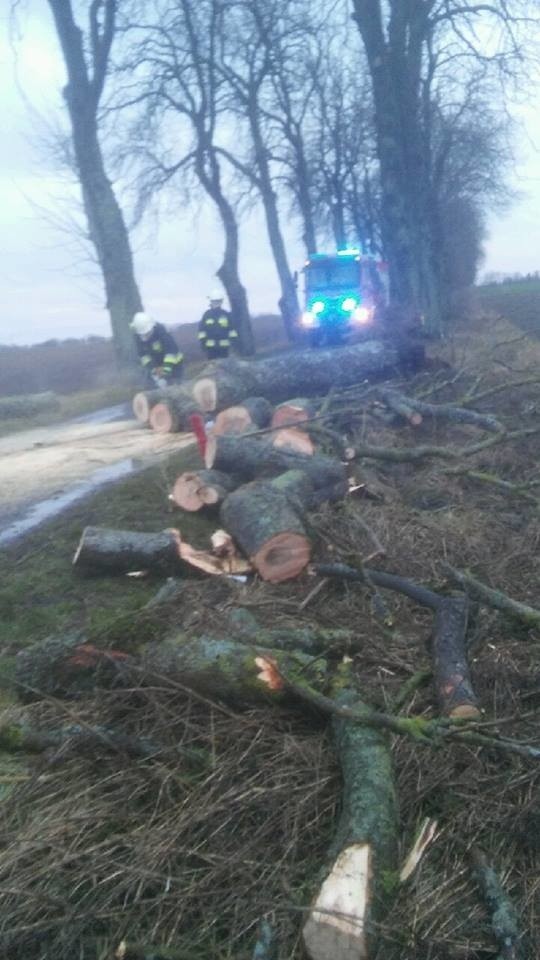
407	44
87	61
177	82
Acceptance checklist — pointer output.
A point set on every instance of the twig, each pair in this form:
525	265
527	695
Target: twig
388	581
493	598
410	687
414	454
446	411
504	919
498	388
505	486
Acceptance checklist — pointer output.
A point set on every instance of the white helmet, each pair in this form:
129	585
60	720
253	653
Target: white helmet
215	295
142	324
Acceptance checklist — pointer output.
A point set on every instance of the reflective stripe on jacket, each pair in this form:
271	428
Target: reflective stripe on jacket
216	328
160	350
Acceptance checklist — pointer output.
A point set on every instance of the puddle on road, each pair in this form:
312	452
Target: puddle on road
52	506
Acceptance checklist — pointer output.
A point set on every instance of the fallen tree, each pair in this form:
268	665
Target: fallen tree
280	377
251	457
253	412
195	490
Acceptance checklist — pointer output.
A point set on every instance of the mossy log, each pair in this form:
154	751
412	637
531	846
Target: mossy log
265	520
28	405
504	916
236	672
202	488
312	372
102	550
251	458
293	412
252	413
345	915
410	408
450	664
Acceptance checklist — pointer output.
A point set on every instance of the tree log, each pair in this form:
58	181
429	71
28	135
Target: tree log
251	413
279	377
293	412
264	518
102	550
504	916
343	921
28	405
257	457
171	414
440	411
144	400
294	440
193	491
450	665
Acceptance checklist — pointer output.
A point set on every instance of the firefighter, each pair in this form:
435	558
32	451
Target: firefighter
158	351
217	332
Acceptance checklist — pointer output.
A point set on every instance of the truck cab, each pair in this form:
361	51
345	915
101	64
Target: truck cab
344	293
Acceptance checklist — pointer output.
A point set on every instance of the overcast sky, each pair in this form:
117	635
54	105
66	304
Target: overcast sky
48	290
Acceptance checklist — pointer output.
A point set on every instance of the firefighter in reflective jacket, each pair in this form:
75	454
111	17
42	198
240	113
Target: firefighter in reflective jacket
158	351
216	329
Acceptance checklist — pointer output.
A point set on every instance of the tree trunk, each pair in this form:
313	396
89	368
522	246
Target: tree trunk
264	519
313	372
251	458
171	414
102	550
450	665
345	916
253	412
106	225
144	400
203	488
293	412
288	301
209	173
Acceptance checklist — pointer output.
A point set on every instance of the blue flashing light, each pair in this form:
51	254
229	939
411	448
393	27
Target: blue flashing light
349	252
318	306
348	304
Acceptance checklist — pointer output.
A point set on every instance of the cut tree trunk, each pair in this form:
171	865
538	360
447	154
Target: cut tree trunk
264	518
293	412
238	673
401	406
294	440
28	405
450	666
253	412
144	400
193	491
171	414
279	377
343	921
251	458
102	550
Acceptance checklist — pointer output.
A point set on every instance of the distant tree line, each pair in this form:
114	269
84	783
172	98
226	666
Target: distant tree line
371	122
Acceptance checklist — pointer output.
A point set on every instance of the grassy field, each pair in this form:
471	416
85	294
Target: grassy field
231	823
518	301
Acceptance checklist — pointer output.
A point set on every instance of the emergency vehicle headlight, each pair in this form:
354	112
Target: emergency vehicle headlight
348	304
362	315
307	319
317	307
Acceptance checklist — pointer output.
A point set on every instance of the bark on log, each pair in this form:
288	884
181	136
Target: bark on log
238	673
450	665
28	405
252	413
194	491
251	457
102	550
504	917
144	400
440	411
280	377
344	917
264	518
293	412
171	414
401	406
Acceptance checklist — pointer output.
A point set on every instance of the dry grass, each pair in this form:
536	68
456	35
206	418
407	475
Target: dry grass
231	820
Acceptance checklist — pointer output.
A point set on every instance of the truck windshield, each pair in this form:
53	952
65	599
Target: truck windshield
345	273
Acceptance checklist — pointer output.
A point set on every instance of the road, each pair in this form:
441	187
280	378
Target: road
44	470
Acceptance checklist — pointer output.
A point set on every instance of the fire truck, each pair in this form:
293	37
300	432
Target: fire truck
344	294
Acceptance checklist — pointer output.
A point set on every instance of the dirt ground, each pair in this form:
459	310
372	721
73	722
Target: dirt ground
42	463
